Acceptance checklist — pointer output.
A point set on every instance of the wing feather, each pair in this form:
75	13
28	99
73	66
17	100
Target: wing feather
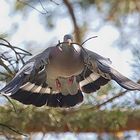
103	65
118	77
90	81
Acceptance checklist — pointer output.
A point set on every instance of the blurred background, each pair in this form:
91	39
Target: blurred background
30	26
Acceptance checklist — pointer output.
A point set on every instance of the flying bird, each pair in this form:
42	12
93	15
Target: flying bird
60	75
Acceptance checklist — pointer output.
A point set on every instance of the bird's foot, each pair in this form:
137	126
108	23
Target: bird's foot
70	80
58	84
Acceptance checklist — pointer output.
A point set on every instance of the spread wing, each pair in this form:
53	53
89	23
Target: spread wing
100	73
29	85
90	81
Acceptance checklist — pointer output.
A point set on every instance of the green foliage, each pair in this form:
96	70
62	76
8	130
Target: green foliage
29	118
21	5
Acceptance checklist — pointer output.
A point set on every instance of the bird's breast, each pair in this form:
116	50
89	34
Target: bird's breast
66	64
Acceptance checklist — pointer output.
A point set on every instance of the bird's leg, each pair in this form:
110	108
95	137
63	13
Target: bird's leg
58	84
70	80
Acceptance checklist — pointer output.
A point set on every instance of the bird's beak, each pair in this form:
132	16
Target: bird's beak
69	41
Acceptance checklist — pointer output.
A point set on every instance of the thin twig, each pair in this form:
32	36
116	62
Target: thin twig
88	40
6	68
14	47
5	74
10	102
25	3
17	54
43	6
107	101
97	106
54	2
9	46
111	99
59	43
13	129
5	41
26	52
19	58
10	60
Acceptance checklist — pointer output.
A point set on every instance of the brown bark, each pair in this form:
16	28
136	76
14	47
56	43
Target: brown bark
32	119
73	17
133	123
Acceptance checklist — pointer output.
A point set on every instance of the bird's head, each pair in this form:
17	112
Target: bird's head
68	39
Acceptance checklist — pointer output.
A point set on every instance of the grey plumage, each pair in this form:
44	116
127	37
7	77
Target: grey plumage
58	76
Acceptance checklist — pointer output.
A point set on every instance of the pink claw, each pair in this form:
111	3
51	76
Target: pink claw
70	80
58	84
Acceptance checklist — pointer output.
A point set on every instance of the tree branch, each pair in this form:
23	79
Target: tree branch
76	28
32	119
13	129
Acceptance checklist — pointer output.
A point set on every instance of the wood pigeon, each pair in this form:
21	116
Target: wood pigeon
60	75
